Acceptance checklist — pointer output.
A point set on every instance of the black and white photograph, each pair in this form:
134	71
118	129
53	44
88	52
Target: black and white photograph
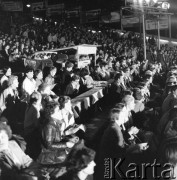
88	89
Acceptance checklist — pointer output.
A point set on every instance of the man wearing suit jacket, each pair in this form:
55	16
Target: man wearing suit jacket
113	146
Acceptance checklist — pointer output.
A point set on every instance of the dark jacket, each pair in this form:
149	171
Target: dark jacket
51	136
54	150
112	143
66	79
112	147
70	91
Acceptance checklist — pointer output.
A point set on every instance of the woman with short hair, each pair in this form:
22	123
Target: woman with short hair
4	80
79	163
9	99
50	79
38	77
54	149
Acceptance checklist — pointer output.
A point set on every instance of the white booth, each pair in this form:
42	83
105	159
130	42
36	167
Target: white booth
80	51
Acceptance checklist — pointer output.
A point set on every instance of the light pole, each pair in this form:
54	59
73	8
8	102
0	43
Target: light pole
144	34
152	7
158	27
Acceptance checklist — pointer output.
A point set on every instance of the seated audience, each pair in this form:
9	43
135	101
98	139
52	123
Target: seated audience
50	79
9	100
86	81
38	78
4	80
72	89
67	75
14	163
53	148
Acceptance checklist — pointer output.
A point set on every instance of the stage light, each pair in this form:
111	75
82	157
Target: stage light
165	5
28	5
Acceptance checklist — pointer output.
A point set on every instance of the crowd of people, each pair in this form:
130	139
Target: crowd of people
141	125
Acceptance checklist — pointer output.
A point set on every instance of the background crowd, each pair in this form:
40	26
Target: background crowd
49	144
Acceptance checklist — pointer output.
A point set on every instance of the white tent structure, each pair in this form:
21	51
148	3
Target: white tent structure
84	49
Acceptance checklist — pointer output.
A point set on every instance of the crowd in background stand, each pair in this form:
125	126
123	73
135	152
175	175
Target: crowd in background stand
142	122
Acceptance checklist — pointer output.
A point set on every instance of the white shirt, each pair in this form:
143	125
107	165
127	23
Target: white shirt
28	87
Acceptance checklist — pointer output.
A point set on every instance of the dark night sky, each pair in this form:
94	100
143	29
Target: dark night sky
85	3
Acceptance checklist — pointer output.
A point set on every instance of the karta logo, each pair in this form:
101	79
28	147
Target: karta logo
117	168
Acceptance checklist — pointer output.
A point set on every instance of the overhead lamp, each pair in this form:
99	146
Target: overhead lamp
165	5
28	5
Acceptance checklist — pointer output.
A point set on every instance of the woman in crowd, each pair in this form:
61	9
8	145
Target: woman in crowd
14	163
50	79
67	114
9	100
79	163
54	149
66	110
4	80
168	158
38	78
47	94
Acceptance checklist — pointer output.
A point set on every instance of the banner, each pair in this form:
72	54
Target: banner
112	17
93	15
130	22
37	6
136	2
55	9
140	2
12	6
151	25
